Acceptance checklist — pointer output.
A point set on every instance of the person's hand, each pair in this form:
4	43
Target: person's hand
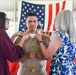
38	37
25	37
20	33
32	55
40	56
22	41
16	34
44	35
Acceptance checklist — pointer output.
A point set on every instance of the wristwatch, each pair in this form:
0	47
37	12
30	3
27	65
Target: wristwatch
40	41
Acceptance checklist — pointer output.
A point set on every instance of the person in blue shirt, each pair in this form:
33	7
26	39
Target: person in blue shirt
61	47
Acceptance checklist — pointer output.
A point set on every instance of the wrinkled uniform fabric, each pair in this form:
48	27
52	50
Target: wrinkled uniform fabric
63	59
7	51
32	45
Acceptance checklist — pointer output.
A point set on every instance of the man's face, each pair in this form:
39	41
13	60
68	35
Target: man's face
32	23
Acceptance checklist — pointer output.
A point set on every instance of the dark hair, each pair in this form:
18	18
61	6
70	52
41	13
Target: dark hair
30	14
39	27
25	28
2	20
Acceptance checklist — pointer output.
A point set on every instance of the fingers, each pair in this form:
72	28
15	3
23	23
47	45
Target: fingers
38	37
20	33
32	55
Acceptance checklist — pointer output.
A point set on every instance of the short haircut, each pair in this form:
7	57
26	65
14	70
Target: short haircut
39	27
30	14
2	20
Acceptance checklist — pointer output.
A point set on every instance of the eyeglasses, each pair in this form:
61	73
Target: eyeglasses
8	20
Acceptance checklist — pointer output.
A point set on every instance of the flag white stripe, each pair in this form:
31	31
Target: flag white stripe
53	16
60	6
19	12
46	17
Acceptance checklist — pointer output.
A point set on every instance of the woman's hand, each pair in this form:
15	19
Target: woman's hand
16	34
40	56
32	55
38	37
44	35
25	37
20	33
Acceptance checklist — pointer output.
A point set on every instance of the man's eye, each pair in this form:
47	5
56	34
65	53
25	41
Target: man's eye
34	21
29	21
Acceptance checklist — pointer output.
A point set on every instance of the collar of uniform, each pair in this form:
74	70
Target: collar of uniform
27	33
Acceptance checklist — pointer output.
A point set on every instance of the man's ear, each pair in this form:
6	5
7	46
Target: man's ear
37	23
25	23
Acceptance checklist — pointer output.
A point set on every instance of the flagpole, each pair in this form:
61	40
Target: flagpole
15	15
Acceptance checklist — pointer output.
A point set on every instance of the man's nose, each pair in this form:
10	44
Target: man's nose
32	23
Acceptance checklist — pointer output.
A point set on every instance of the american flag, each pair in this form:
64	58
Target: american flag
45	13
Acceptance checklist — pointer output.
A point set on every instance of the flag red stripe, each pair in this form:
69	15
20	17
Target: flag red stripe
57	11
50	17
63	7
57	8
